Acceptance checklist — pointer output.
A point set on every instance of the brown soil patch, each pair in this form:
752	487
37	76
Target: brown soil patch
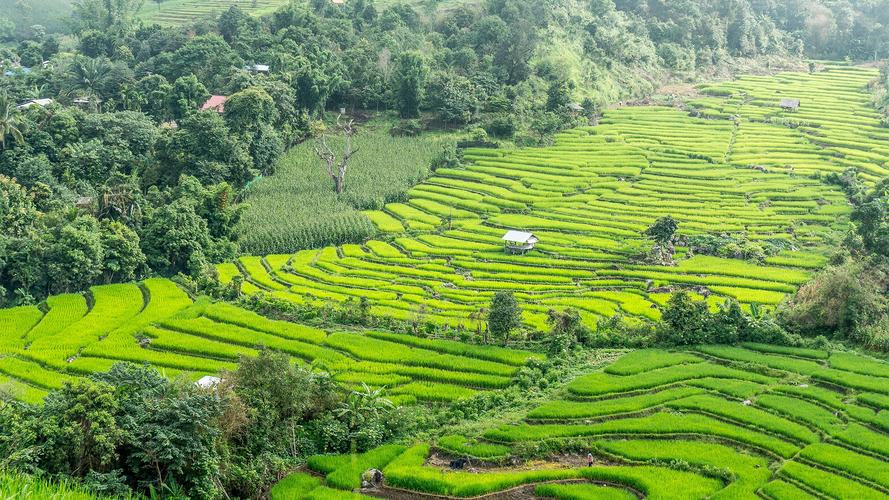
679	89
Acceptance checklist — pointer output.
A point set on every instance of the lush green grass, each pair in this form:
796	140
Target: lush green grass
459	445
559	410
655	425
673	422
842	459
491	353
649	359
603	383
829	484
782	490
297	207
408	472
583	492
156	322
751	471
15	486
344	471
295	485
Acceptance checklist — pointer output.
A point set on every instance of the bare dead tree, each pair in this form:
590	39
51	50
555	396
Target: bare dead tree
336	167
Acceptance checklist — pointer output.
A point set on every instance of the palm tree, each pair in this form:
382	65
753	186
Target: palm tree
9	122
87	77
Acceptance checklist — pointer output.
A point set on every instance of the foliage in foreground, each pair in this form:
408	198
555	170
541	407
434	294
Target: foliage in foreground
15	485
131	430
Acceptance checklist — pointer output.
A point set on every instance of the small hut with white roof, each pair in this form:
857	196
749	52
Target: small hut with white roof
518	242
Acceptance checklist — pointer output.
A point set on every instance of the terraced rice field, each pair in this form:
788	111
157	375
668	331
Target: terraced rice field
745	168
177	12
713	422
70	336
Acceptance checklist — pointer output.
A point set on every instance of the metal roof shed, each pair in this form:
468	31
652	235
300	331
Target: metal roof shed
519	241
789	104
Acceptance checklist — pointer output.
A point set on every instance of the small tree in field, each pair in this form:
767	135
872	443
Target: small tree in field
504	316
568	330
336	167
662	232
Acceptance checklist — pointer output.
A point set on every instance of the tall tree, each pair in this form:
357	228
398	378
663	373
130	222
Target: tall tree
88	77
175	238
10	122
410	81
187	95
104	14
504	316
662	230
73	253
872	219
246	111
123	259
337	166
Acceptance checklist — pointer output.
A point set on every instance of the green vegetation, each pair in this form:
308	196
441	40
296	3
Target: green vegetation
186	12
583	492
459	445
687	437
649	359
408	472
243	240
344	472
295	486
571	195
273	224
14	485
44	351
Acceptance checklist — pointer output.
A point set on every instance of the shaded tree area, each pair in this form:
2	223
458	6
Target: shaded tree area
51	250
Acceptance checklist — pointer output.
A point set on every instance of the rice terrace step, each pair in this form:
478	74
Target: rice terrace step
748	421
771	429
181	12
734	165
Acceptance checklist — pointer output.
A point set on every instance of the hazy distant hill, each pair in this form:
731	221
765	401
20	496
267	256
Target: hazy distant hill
26	13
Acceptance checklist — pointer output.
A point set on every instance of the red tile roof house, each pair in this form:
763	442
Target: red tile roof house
215	103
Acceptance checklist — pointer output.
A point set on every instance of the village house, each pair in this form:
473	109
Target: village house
215	103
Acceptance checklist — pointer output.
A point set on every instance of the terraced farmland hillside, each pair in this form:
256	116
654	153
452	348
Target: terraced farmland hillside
156	322
714	422
176	12
745	168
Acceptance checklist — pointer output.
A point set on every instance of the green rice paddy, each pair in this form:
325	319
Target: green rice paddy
712	421
732	163
179	12
71	336
788	436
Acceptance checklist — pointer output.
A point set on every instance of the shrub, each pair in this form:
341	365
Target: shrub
502	126
406	128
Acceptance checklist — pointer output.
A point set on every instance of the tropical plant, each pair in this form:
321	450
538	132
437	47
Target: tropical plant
10	122
87	78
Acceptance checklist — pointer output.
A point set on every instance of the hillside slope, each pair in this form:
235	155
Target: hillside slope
745	169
